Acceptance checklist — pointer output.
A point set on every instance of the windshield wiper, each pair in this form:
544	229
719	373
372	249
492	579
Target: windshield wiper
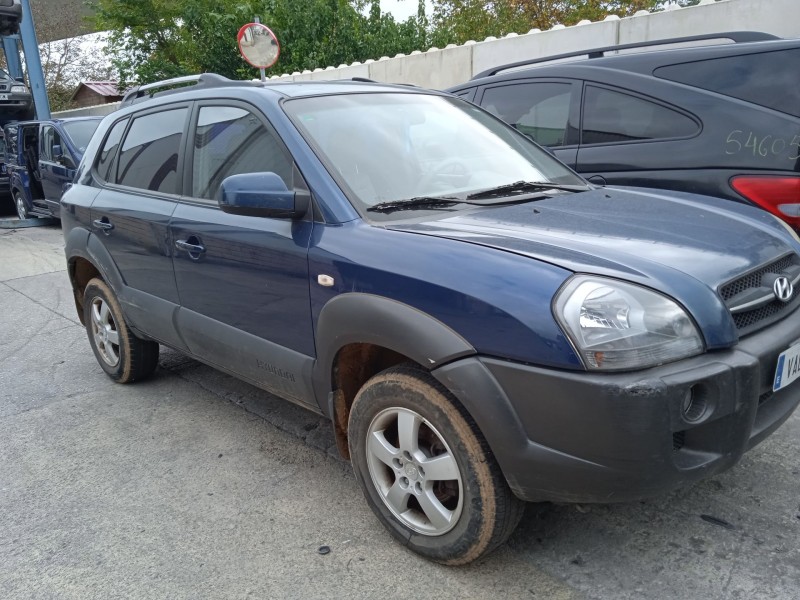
417	202
521	187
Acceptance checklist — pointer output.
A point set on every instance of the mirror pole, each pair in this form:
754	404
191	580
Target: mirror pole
262	70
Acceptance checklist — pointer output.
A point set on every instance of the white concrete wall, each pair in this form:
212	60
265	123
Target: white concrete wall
443	68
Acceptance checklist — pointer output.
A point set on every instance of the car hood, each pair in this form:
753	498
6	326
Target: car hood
681	244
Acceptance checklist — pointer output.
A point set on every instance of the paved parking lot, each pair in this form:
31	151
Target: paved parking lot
195	485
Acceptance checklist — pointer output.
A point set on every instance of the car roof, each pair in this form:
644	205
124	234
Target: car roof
209	84
644	61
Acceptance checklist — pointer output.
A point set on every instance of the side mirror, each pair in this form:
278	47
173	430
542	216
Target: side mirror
261	195
57	152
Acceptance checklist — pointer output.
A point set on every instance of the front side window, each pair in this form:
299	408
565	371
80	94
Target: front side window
540	110
231	140
148	158
610	116
50	138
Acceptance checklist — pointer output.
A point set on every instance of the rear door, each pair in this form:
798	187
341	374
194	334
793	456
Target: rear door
243	281
633	139
140	165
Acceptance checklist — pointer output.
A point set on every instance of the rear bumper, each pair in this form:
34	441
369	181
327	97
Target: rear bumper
587	437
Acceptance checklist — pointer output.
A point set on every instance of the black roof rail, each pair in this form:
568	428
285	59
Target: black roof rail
203	81
737	37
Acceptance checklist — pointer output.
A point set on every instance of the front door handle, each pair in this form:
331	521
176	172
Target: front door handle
192	248
103	224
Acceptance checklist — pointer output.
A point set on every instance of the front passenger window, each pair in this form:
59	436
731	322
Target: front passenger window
231	140
540	110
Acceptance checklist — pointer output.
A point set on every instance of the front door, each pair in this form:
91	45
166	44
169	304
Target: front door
243	281
54	173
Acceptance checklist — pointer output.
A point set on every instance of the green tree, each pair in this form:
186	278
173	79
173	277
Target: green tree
158	39
456	21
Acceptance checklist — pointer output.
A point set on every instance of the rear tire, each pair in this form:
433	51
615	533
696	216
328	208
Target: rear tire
425	469
123	356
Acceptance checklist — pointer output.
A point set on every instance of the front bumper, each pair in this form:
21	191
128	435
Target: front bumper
592	437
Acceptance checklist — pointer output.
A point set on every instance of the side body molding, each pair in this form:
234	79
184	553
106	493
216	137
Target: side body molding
368	319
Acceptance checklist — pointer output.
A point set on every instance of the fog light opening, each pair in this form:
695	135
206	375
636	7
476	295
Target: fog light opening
693	406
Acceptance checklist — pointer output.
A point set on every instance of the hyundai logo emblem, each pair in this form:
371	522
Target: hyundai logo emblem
783	289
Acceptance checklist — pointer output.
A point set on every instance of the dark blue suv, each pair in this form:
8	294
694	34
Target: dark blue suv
481	325
41	159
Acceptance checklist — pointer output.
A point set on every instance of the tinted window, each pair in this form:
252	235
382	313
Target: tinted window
109	150
148	158
614	117
80	132
540	110
768	79
230	141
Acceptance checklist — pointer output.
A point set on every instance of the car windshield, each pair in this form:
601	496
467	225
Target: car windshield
80	132
388	147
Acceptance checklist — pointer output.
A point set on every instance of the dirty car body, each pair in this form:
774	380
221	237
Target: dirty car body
606	344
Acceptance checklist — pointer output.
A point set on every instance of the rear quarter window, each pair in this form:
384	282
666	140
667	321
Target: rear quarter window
769	79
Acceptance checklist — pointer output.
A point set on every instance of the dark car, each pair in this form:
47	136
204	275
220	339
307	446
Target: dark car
15	98
481	324
10	16
721	119
41	160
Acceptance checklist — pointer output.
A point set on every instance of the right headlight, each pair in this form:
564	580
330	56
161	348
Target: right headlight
621	326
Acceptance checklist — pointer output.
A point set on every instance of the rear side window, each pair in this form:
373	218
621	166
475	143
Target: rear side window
540	110
109	150
610	116
148	158
768	79
229	141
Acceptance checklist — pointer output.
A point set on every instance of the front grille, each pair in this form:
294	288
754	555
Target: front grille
753	280
678	440
748	321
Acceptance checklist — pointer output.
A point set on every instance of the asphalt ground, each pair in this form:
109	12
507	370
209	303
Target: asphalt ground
196	485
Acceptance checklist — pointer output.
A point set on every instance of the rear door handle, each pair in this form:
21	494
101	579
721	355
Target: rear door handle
103	224
189	247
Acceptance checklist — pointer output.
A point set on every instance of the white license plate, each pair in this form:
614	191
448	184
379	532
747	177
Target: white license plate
3	96
788	368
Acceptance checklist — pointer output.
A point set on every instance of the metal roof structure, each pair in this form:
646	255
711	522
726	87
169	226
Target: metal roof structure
102	88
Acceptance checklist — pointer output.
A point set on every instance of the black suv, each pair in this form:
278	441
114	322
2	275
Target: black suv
722	120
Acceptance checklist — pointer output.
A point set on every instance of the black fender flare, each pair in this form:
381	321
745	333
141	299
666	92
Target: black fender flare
353	317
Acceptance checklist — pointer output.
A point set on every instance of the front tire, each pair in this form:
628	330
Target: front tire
22	208
123	356
425	469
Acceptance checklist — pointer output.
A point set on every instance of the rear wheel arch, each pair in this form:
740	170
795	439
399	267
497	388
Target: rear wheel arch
87	258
